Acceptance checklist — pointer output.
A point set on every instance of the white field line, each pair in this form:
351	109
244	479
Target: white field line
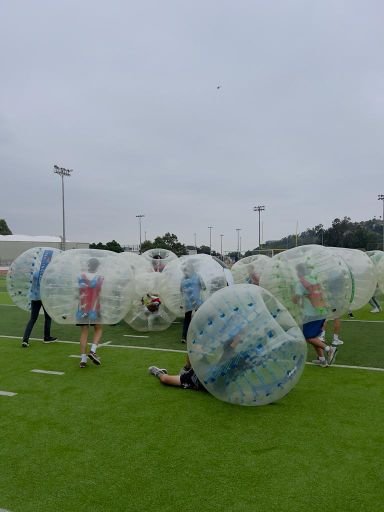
350	367
7	393
74	355
134	336
48	372
365	321
8	306
154	349
105	343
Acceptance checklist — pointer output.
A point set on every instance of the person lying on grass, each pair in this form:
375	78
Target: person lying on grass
187	378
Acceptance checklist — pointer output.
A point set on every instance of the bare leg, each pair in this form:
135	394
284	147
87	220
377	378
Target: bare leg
170	380
336	326
97	334
318	345
83	338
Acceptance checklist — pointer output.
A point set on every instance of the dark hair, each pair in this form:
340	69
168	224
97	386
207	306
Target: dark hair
93	263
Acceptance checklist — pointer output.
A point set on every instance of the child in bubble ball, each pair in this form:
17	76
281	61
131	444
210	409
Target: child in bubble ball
36	304
88	313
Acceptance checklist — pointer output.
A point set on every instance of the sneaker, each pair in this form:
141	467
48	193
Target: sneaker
375	310
154	370
183	340
317	362
350	314
331	355
49	340
25	344
337	342
93	357
83	364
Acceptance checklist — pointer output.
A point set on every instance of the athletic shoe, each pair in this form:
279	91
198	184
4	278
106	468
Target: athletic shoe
183	340
350	314
25	344
49	340
375	310
317	362
83	364
331	355
154	370
93	357
337	342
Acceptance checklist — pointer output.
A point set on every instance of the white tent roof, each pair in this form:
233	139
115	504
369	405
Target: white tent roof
29	238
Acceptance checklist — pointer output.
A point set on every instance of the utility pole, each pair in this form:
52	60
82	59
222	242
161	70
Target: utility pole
62	172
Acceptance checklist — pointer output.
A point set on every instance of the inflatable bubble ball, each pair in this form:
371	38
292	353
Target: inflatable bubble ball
188	281
87	286
149	311
245	347
248	270
159	258
363	274
25	274
136	262
311	281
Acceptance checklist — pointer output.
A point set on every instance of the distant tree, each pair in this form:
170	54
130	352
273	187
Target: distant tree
203	249
114	246
109	246
169	241
4	229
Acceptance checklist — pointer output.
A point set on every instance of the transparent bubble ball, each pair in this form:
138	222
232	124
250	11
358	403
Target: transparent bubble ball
149	311
24	270
189	281
245	347
248	270
87	286
311	281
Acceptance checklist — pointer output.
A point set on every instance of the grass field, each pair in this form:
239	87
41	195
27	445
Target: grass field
111	438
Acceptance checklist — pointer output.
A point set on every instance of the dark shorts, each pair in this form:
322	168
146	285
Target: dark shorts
313	329
189	380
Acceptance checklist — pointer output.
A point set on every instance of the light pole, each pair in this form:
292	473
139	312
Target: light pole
194	234
140	217
380	197
210	239
238	242
259	209
62	172
221	247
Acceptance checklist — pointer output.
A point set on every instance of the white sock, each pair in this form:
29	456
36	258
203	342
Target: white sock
93	347
83	358
335	337
322	358
327	348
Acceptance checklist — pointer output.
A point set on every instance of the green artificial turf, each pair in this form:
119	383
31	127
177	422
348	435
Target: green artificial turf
113	438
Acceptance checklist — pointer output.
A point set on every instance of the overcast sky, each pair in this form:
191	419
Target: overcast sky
190	113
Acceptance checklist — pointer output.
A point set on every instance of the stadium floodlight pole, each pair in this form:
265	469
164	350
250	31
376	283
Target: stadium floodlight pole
238	242
194	234
259	209
140	217
210	239
62	172
221	247
380	197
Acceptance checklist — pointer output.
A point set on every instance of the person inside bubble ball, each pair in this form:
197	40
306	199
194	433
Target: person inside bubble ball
308	293
187	378
191	286
158	265
88	313
36	303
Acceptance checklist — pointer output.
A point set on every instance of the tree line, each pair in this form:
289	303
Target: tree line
366	235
